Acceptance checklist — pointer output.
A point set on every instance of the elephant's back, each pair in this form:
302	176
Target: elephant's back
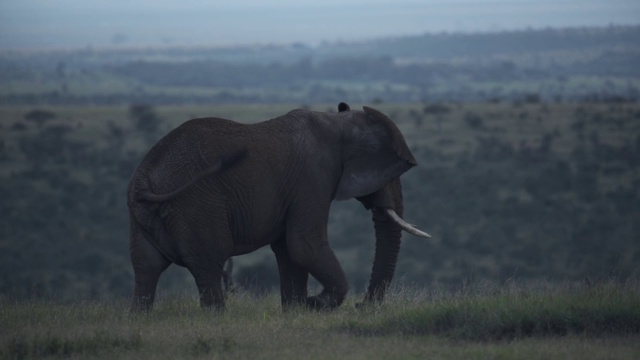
189	150
211	126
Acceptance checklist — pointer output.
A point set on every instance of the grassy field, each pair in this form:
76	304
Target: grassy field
511	321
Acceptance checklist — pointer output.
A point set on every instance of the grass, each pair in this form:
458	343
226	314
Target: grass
55	345
549	321
507	314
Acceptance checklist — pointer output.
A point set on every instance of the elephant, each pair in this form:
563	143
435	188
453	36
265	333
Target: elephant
214	188
227	276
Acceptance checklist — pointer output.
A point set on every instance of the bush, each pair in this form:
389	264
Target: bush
39	116
473	120
145	118
436	109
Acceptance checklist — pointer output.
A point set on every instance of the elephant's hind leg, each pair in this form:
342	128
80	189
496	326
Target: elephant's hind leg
209	284
204	249
148	264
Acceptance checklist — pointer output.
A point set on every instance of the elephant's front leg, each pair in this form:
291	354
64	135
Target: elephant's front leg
329	273
308	247
327	270
293	277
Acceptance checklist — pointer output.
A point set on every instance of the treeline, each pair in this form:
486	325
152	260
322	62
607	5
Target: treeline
556	64
455	45
356	69
365	70
415	60
349	79
64	229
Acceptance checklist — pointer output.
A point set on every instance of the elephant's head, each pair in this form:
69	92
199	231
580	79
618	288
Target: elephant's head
375	155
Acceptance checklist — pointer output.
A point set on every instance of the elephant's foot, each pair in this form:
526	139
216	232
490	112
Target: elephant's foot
323	302
367	304
292	304
215	307
141	304
211	301
371	301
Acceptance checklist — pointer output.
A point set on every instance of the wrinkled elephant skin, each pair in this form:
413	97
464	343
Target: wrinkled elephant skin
214	188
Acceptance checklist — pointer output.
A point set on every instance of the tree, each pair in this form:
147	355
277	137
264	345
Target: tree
144	117
39	116
473	120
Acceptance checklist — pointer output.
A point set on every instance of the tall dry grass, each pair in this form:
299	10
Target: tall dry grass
480	320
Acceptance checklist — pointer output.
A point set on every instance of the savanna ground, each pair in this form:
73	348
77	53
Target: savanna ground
478	321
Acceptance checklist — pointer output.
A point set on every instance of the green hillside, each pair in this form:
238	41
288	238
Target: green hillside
523	190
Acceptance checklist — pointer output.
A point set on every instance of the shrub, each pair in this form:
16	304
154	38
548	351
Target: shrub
39	116
473	120
145	118
436	109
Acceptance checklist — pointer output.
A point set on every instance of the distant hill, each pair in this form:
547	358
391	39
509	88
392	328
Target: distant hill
573	63
453	45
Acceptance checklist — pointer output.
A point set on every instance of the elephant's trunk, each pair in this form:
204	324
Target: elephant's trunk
388	236
387	207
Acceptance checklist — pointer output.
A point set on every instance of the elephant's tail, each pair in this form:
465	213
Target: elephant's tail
220	166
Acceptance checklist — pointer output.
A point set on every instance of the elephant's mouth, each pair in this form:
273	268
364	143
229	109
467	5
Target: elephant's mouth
411	229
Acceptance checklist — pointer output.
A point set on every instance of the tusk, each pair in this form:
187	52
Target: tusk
405	225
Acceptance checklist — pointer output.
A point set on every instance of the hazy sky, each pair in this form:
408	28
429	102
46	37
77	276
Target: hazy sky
79	23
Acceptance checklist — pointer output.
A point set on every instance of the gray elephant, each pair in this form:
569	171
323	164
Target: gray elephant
213	188
227	276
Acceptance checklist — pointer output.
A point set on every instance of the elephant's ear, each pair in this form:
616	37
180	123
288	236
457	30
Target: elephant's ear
375	154
397	140
343	107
